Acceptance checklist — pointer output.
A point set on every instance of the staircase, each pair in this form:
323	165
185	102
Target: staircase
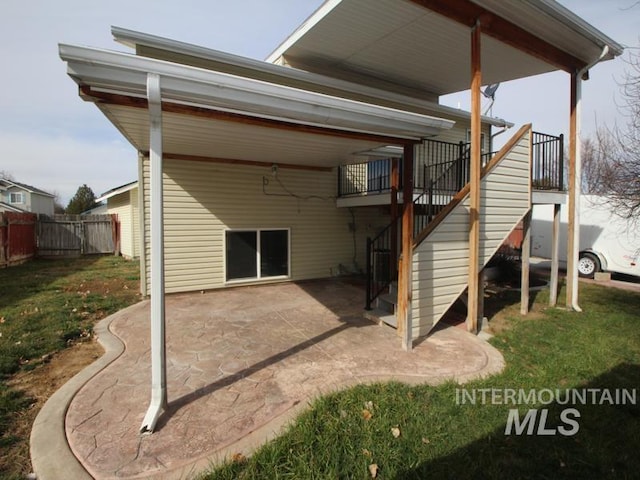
441	239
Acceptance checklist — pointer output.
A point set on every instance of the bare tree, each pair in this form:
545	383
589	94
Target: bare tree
612	161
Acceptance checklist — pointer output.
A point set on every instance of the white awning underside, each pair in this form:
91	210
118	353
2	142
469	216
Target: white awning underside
299	127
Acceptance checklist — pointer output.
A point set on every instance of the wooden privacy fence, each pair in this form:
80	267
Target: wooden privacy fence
73	235
17	237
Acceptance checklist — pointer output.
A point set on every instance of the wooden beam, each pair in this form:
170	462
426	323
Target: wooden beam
555	250
107	98
474	182
405	326
572	280
467	13
526	263
234	161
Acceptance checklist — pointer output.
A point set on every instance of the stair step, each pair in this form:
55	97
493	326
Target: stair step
389	298
382	317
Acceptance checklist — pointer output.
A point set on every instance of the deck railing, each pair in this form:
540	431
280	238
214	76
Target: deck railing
433	157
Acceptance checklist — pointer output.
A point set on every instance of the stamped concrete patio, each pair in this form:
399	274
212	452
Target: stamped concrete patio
241	363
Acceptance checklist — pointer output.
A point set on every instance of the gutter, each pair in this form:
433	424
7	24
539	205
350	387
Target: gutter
109	71
581	75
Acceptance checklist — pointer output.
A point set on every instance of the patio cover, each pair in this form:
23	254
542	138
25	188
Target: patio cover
423	45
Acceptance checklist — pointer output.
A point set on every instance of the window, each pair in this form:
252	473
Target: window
16	197
256	254
483	143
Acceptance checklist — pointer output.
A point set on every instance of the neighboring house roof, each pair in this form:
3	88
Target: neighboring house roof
426	48
185	53
5	207
99	209
117	191
26	187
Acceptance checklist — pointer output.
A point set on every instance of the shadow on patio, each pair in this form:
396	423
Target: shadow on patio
240	364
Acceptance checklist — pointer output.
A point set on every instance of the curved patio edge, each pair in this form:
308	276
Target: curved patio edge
51	455
276	426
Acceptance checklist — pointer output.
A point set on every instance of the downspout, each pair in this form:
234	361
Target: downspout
158	348
578	180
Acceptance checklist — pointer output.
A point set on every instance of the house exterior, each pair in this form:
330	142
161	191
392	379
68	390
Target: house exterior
124	202
334	156
21	198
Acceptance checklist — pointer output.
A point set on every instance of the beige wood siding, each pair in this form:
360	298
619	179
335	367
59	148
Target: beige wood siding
121	206
441	261
135	222
203	200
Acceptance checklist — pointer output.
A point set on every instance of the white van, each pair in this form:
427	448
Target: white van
607	242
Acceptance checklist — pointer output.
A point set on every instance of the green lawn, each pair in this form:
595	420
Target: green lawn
45	306
438	438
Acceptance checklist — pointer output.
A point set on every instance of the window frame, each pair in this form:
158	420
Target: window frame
259	277
21	195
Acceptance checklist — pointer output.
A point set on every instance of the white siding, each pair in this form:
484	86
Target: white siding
441	261
40	203
202	200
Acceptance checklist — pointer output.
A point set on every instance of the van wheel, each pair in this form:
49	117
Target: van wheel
588	265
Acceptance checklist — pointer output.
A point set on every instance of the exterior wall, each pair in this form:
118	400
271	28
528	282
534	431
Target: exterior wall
202	200
441	261
125	205
33	202
40	204
135	222
120	205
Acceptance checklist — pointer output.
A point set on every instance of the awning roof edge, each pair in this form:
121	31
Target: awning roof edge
133	39
126	73
117	191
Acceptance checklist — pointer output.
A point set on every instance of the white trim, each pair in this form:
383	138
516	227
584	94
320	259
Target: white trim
22	198
303	29
126	74
259	277
117	191
285	74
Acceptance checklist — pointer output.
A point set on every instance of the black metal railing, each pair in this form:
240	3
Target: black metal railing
445	171
547	167
382	260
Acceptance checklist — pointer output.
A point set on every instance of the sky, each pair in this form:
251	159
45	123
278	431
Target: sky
51	139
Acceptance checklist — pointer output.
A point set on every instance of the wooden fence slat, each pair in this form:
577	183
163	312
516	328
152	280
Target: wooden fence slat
73	235
17	237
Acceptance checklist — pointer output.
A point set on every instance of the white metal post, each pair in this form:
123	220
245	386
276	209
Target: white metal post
158	348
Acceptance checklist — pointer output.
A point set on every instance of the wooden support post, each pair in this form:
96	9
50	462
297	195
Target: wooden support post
525	258
481	281
405	325
474	183
572	248
395	182
555	249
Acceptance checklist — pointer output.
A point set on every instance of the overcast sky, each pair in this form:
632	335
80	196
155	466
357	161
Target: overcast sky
51	139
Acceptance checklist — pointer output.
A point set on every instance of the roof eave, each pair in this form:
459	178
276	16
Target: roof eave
194	86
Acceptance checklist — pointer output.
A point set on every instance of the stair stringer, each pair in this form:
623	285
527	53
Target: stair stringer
441	258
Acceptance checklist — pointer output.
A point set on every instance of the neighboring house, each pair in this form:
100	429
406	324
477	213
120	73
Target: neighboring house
255	172
100	209
123	202
19	197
